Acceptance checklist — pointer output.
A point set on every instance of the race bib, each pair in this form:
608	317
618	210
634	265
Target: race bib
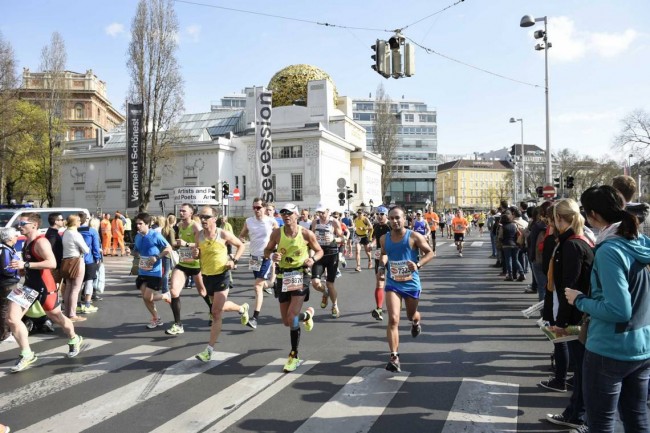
23	296
185	255
145	263
460	227
324	238
378	254
255	263
292	281
399	271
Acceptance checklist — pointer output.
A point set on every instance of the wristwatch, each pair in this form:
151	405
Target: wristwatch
418	265
26	265
235	261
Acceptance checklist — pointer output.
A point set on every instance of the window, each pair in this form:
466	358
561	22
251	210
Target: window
79	111
285	152
243	188
365	106
296	187
404	105
78	135
409	118
427	118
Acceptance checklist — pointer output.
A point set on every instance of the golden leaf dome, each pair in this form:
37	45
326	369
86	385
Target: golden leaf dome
290	84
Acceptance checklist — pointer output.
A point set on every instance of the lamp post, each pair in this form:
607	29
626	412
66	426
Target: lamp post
528	21
523	156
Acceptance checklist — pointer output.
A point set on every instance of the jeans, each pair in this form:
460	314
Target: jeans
493	241
608	384
576	409
541	278
522	256
513	268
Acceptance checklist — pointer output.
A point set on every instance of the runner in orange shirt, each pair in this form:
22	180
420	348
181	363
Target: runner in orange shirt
105	230
117	227
432	218
459	226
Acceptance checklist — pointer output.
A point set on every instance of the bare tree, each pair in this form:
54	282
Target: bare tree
635	135
385	136
8	98
53	64
156	82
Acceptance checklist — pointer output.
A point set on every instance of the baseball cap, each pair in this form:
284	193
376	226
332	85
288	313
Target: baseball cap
321	208
381	209
290	207
418	212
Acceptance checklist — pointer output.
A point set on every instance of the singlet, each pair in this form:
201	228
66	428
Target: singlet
420	227
214	254
459	224
150	245
259	232
432	219
37	279
325	236
360	226
294	250
187	234
398	253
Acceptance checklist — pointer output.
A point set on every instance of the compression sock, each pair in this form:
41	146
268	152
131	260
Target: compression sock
295	339
176	309
379	296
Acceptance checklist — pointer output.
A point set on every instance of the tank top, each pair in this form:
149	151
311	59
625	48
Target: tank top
360	226
397	273
420	226
325	237
187	234
37	279
259	233
294	250
214	254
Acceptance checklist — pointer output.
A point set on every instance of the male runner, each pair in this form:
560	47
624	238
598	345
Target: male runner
459	225
258	228
215	268
328	235
347	221
400	250
362	235
36	265
187	267
292	286
379	229
433	220
420	225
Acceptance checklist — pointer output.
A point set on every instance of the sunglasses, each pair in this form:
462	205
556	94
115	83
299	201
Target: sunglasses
205	217
286	212
257	207
381	214
24	223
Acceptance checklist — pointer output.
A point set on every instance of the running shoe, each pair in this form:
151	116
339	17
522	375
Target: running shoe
268	289
175	329
393	364
377	314
210	318
292	363
252	323
344	263
416	329
309	322
167	297
338	273
74	346
244	314
460	254
155	322
323	301
89	309
560	419
24	362
96	298
335	312
204	356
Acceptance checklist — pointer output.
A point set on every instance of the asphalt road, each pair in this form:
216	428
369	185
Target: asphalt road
474	368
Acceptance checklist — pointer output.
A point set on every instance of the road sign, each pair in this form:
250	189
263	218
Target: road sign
340	182
549	191
161	196
235	194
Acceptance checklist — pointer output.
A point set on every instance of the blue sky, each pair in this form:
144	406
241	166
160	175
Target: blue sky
598	66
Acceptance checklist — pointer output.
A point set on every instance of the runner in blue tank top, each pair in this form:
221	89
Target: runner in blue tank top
400	250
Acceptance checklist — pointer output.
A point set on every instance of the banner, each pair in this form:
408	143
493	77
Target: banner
133	146
263	154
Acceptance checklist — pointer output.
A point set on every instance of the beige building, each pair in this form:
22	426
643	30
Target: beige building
473	184
87	108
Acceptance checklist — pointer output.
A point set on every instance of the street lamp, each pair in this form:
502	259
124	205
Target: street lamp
523	156
528	21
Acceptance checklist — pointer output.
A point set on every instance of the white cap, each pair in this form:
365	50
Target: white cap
290	207
321	208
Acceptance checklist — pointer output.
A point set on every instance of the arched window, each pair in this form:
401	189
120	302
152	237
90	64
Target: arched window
79	111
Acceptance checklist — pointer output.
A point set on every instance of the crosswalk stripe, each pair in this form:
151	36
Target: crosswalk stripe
477	244
6	346
58	382
57	353
86	415
234	402
483	406
358	404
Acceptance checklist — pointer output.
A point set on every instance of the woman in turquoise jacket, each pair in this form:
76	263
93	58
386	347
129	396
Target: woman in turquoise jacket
617	360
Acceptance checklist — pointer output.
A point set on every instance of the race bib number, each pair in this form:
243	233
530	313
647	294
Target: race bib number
23	296
460	227
255	264
145	263
185	255
324	238
292	281
378	254
399	271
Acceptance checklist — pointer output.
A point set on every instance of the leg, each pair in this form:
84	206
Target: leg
66	324
412	312
14	318
393	307
357	249
219	302
601	385
634	397
147	298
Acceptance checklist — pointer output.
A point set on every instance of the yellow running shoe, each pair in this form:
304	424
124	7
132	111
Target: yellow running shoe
292	363
309	323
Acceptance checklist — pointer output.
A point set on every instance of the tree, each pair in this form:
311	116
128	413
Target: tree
635	135
53	63
8	84
156	82
385	136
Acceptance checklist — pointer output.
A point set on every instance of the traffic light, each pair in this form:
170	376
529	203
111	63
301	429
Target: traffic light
556	182
225	189
349	195
381	57
409	60
540	191
568	182
341	198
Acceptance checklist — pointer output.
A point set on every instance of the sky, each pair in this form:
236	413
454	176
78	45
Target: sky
599	62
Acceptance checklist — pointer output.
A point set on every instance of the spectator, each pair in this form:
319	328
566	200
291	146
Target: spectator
8	277
92	259
74	248
509	245
57	223
627	187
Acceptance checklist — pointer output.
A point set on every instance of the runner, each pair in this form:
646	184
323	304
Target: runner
150	246
258	229
420	225
187	267
347	221
37	263
459	224
448	218
362	234
481	222
400	250
433	220
380	228
216	265
328	234
292	286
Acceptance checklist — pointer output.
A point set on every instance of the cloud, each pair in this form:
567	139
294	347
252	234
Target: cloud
194	31
114	29
570	44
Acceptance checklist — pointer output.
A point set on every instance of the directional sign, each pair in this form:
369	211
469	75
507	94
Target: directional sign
161	196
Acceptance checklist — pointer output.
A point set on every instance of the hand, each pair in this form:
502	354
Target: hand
412	266
309	262
17	264
230	264
571	295
276	257
152	260
195	252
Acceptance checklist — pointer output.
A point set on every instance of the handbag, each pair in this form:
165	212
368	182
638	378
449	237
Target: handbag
70	267
100	282
584	329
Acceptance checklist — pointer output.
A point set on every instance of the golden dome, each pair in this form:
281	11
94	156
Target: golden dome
290	84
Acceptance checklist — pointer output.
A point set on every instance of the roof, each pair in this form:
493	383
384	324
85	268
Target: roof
475	164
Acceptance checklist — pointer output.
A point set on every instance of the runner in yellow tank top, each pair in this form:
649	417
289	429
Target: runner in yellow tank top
362	236
292	286
215	267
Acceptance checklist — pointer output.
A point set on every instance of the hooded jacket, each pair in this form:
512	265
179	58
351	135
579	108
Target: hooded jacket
619	304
